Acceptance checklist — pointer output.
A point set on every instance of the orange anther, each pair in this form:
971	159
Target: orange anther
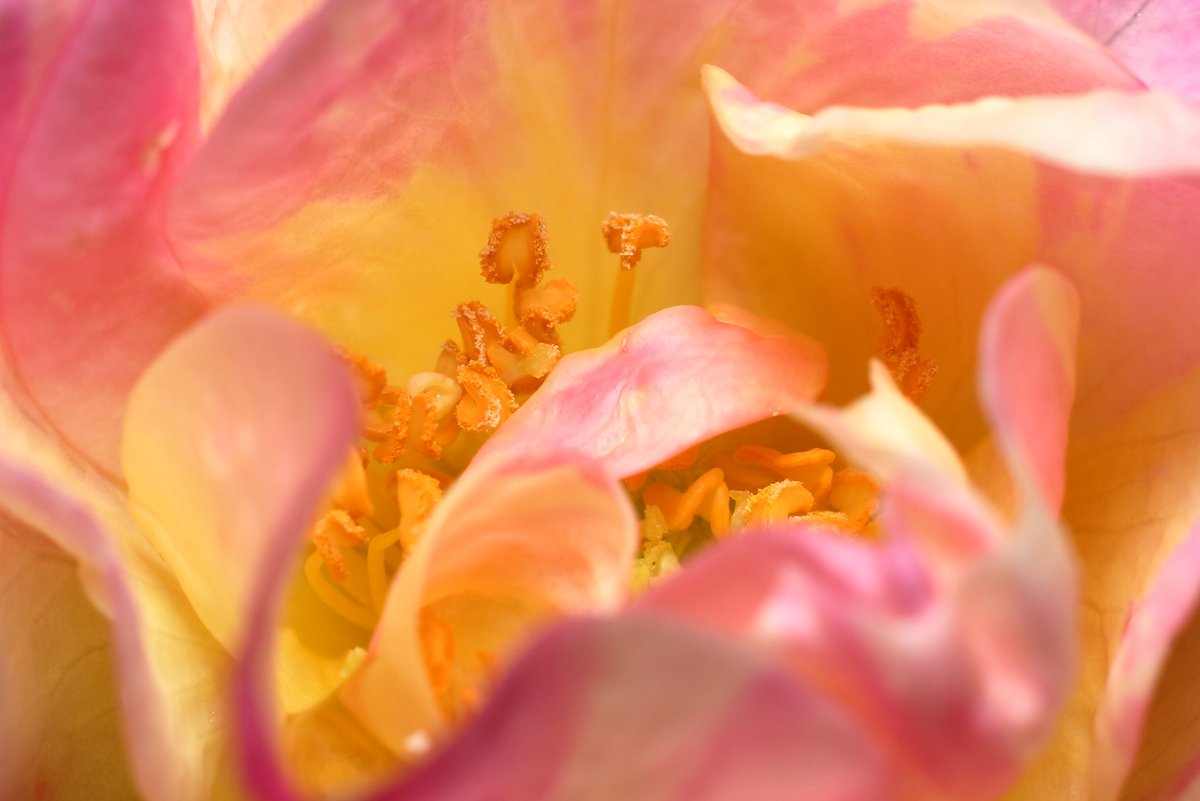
370	378
335	529
516	246
702	497
776	502
810	467
417	494
680	461
479	329
395	439
899	343
449	358
541	308
629	234
423	426
487	401
856	494
350	490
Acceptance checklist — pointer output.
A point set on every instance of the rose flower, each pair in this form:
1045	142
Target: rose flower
821	424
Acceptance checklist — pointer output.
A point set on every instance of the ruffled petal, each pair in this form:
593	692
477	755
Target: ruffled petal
947	224
677	378
233	434
384	136
169	673
515	543
1146	736
1027	376
947	218
952	642
582	714
1159	40
91	292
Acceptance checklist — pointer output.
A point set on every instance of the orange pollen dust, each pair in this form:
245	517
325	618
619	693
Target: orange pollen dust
899	343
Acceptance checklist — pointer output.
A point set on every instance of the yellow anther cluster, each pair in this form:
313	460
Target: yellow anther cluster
710	493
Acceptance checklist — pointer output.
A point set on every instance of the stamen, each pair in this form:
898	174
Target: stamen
753	466
773	503
332	598
516	246
707	496
417	494
898	345
855	493
627	235
439	387
487	401
369	377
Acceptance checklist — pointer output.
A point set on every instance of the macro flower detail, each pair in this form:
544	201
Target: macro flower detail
871	480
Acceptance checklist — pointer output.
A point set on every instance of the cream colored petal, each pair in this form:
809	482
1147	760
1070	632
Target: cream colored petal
516	542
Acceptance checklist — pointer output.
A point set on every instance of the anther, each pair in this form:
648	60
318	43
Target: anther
628	235
899	343
515	247
708	496
774	502
487	401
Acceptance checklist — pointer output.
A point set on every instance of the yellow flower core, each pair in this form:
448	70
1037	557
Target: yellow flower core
418	437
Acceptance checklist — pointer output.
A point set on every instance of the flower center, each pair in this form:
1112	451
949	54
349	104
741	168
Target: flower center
419	434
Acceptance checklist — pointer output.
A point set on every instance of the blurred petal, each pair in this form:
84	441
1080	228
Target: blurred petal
953	636
1145	134
91	292
384	136
234	37
1150	706
515	543
676	378
885	428
61	730
1027	376
234	434
581	715
948	639
1159	40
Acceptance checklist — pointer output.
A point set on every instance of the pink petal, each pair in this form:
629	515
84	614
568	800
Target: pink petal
169	744
952	642
384	136
91	292
677	378
936	209
948	224
644	710
232	439
1146	720
1158	40
234	38
1027	375
951	647
514	544
551	533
